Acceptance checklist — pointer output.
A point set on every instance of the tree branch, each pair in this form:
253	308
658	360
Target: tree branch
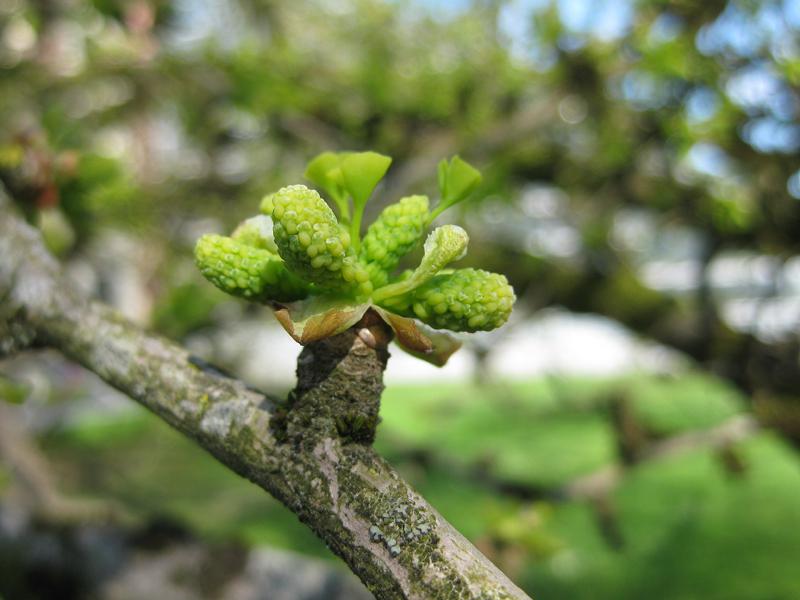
310	453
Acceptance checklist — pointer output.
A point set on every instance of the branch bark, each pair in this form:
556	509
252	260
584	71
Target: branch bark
311	453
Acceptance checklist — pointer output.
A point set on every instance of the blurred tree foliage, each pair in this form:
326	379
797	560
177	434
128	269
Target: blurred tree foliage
147	115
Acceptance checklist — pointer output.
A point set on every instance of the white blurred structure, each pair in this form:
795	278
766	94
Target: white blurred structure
553	343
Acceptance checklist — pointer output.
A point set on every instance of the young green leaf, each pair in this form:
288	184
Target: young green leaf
457	180
444	245
361	172
324	171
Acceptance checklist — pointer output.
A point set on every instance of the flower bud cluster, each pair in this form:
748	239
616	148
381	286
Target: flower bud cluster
246	271
396	231
312	243
460	300
321	276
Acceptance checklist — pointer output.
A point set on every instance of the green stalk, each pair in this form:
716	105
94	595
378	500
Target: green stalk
355	227
440	208
344	207
394	289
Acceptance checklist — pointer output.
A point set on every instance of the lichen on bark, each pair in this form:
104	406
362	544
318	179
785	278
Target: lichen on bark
339	385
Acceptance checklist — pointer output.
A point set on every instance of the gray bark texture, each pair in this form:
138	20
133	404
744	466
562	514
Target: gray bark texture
311	452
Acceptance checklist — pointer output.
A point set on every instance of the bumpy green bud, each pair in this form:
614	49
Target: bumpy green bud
396	231
256	232
461	300
311	241
243	270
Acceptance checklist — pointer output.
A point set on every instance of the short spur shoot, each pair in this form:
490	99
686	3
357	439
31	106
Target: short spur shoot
315	269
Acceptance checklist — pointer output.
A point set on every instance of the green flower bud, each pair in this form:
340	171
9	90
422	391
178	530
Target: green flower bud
312	243
256	232
461	300
396	231
246	271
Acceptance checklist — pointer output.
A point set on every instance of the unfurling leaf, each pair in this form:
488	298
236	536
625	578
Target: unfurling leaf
362	171
323	171
457	180
444	245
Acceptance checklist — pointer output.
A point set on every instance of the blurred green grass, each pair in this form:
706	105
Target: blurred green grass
689	527
690	530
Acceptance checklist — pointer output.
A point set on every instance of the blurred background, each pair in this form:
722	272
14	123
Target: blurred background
632	433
